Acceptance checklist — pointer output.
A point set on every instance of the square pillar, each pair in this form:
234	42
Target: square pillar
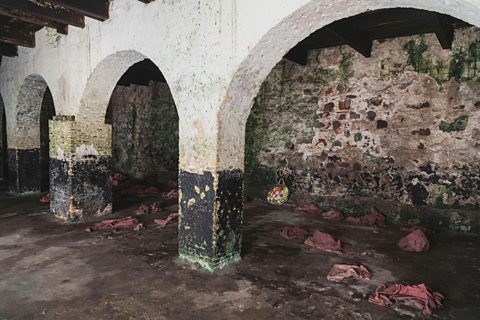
211	214
80	169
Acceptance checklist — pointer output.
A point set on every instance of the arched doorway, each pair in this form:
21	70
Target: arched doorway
35	106
365	109
47	113
144	122
3	146
90	188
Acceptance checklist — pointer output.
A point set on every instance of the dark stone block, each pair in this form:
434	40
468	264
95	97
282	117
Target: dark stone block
83	192
329	107
354	115
422	132
382	124
195	231
211	217
60	187
24	170
371	115
230	216
422	105
345	105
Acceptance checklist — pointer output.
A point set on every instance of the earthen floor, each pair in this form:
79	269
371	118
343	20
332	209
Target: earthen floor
52	270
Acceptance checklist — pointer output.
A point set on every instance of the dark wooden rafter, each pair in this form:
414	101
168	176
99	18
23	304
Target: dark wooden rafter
8	50
14	36
298	54
443	29
359	31
45	10
96	9
353	37
33	19
20	19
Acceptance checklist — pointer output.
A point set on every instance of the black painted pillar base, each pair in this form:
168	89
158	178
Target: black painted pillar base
80	188
24	170
211	214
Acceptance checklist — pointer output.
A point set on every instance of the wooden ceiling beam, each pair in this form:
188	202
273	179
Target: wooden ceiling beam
43	10
443	29
61	28
96	9
8	50
353	37
15	36
298	55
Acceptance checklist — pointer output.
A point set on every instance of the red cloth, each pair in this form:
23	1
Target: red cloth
172	184
372	219
171	195
46	198
421	296
123	223
163	222
308	208
151	189
293	232
332	215
342	271
118	178
324	242
415	241
147	209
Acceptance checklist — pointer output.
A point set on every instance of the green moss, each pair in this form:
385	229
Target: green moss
357	137
370	159
415	50
457	64
459	124
345	67
465	62
258	178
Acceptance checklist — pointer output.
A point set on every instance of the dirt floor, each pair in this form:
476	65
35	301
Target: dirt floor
51	270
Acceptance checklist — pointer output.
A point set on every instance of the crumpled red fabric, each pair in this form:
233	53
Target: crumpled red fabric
415	241
375	218
172	184
46	198
310	208
150	190
172	194
118	178
293	232
148	209
324	242
116	224
420	295
171	217
342	271
332	215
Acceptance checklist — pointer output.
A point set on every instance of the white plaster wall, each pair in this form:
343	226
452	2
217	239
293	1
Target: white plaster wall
213	53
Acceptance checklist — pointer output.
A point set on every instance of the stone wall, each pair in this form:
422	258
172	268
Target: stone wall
144	131
3	143
401	125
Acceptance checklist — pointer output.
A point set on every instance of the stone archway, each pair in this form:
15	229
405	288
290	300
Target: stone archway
281	38
25	169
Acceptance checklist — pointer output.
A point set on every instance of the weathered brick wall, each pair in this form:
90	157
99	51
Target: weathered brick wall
145	129
401	125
